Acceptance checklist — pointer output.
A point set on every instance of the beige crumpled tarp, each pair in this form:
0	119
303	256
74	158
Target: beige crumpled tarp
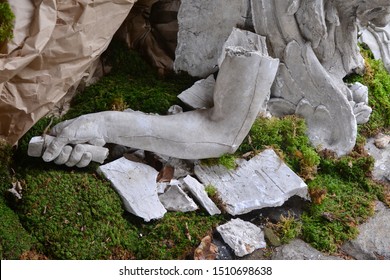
55	43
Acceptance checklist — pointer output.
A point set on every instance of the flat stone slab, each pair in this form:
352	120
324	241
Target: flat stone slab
381	170
175	199
136	184
299	250
198	191
263	181
200	95
243	237
373	241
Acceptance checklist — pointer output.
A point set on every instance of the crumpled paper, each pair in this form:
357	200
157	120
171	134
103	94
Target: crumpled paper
55	44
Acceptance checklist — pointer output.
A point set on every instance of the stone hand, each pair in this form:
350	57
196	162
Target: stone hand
69	145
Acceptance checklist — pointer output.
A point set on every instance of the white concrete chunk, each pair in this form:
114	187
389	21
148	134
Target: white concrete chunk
175	199
243	237
198	191
200	95
136	184
381	170
263	181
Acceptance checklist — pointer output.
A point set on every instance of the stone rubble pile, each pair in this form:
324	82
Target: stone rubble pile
263	181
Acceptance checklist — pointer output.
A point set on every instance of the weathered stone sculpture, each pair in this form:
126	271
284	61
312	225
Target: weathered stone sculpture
316	43
378	40
244	81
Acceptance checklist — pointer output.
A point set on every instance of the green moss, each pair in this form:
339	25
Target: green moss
288	228
335	219
76	215
14	239
6	22
131	84
287	136
226	160
377	79
211	190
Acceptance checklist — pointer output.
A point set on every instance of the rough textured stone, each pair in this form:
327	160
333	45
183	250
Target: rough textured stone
243	237
316	41
263	181
200	95
198	191
382	160
373	241
175	199
204	26
136	184
378	40
299	250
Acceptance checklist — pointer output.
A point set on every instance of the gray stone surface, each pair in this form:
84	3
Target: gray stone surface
373	241
243	237
243	83
263	181
136	184
316	42
299	250
198	191
204	26
378	40
382	160
200	95
175	199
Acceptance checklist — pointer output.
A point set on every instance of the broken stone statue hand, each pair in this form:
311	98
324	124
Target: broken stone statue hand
242	86
68	147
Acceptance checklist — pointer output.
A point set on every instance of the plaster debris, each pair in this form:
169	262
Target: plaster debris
200	95
373	241
382	141
263	181
382	160
243	237
136	184
175	199
175	109
198	191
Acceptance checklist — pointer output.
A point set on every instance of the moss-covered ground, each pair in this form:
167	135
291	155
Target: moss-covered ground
69	213
6	22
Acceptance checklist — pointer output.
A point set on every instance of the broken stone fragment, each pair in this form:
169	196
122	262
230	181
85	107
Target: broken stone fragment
200	95
263	181
373	240
198	191
381	169
243	237
382	141
136	184
175	199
